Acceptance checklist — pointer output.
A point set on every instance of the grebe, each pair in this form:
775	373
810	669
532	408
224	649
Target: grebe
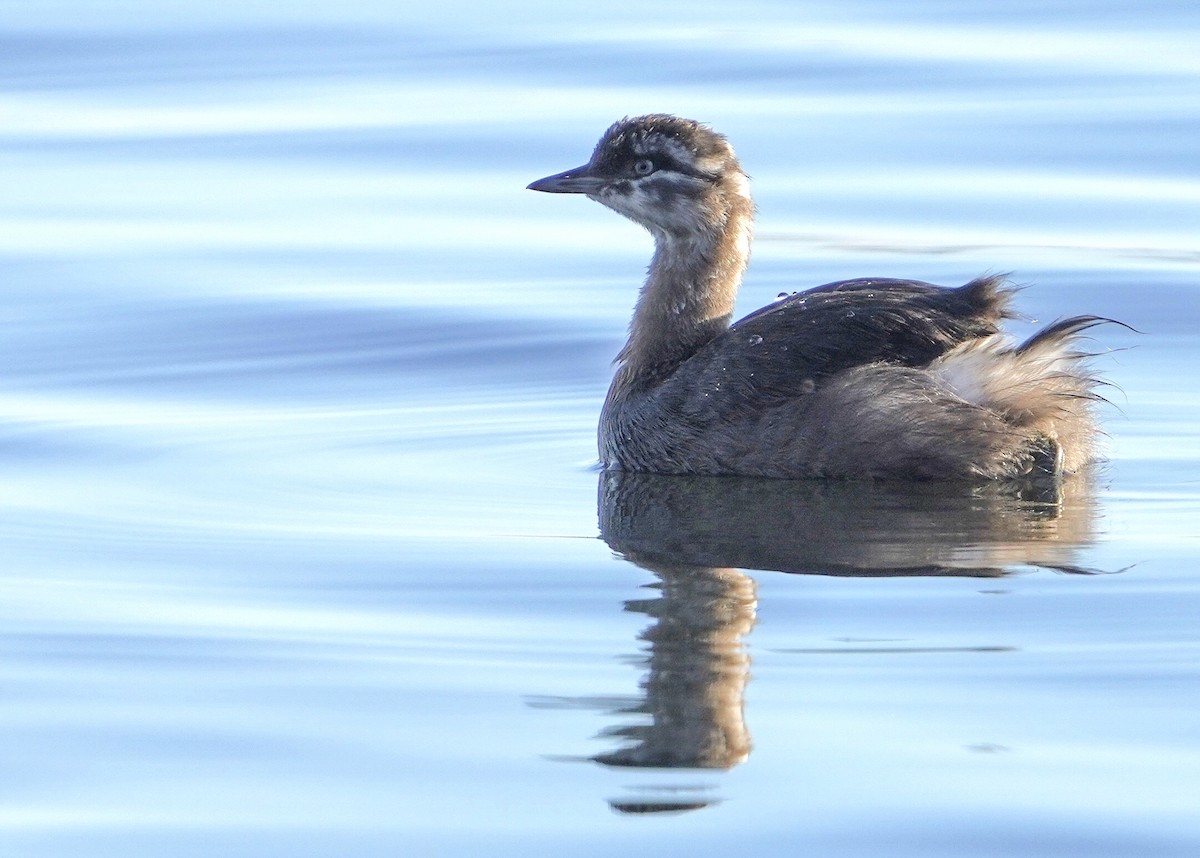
859	379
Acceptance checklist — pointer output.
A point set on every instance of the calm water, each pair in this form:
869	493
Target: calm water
300	533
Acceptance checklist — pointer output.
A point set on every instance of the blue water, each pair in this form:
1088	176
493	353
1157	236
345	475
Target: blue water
300	533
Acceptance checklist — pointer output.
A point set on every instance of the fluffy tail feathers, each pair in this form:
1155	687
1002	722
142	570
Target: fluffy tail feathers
1044	388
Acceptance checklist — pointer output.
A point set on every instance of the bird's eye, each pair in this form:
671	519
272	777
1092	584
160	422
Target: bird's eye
643	167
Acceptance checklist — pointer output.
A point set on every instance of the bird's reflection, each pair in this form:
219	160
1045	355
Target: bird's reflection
693	689
695	534
843	528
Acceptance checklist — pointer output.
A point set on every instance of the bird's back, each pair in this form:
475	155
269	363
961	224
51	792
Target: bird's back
787	347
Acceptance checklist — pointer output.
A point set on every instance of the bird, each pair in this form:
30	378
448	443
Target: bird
865	379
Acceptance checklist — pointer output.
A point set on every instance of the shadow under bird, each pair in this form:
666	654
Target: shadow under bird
859	379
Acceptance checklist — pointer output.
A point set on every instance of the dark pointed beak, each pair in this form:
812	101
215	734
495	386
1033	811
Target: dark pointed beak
581	180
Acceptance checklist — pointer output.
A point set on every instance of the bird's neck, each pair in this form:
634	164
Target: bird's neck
686	301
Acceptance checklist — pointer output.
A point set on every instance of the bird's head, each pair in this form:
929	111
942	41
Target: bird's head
676	177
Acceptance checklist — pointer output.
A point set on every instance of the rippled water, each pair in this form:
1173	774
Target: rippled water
297	417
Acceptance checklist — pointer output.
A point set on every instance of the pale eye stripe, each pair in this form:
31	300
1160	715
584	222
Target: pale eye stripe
666	161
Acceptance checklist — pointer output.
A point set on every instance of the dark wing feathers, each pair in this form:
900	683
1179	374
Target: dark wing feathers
787	348
854	322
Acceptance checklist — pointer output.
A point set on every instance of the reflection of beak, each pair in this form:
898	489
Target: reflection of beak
580	180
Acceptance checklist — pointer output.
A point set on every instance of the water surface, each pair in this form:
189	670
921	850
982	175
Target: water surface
304	553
